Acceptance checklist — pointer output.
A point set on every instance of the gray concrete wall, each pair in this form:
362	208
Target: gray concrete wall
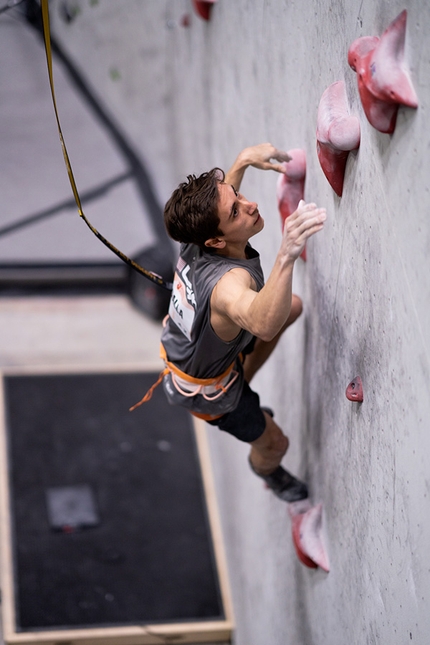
191	98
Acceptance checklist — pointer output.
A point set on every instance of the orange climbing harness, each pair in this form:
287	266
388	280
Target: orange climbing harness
210	388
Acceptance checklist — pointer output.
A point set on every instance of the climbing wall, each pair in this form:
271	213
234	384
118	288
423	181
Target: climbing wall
191	93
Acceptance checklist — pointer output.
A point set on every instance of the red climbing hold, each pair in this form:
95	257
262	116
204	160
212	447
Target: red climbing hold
290	187
203	8
382	75
354	391
337	134
307	534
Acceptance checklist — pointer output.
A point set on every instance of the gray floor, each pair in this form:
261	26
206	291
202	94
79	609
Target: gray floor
76	334
76	331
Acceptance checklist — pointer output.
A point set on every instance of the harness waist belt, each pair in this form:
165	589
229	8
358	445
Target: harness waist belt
188	386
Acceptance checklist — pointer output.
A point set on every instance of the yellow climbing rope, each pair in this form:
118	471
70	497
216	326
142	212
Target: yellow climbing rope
47	39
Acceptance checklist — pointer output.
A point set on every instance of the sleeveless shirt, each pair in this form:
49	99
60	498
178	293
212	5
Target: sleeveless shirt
188	338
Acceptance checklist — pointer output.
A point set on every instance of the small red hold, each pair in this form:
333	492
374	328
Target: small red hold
290	188
382	76
354	391
203	8
337	134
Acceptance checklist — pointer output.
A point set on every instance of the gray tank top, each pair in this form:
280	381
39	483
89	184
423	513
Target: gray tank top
188	337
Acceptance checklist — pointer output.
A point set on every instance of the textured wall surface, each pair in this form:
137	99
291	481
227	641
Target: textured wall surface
190	98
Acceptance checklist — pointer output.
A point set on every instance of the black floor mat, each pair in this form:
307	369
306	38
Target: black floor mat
148	556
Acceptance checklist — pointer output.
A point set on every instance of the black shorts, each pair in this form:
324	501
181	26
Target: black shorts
247	421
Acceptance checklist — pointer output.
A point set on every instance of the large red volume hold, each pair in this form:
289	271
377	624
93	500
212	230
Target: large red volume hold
308	541
382	76
337	134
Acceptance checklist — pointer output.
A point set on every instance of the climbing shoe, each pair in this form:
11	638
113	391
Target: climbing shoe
284	485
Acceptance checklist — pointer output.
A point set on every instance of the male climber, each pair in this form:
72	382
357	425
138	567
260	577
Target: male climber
223	321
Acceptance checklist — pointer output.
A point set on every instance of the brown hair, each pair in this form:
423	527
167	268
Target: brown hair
191	214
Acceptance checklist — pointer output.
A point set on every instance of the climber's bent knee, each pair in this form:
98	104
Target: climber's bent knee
246	422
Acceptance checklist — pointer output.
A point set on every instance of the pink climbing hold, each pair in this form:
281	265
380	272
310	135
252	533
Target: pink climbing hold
203	8
307	534
354	391
290	187
337	134
382	76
